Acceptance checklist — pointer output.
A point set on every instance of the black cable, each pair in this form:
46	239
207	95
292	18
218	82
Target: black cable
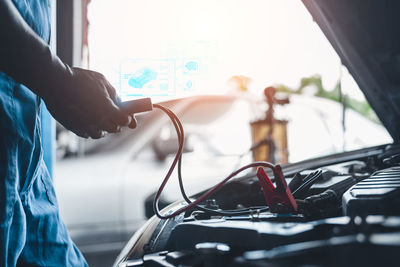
177	123
244	211
179	129
309	180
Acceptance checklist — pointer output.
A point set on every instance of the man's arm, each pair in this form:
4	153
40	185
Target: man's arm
22	52
83	101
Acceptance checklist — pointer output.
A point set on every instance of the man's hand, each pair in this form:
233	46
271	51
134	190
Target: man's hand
86	103
81	100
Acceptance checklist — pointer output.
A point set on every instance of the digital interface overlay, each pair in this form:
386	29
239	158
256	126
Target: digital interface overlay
179	74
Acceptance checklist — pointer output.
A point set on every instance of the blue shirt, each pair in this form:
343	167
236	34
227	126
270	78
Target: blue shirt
31	230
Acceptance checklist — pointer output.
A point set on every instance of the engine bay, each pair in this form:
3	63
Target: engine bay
348	215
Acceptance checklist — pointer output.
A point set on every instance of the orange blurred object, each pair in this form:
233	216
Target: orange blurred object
269	135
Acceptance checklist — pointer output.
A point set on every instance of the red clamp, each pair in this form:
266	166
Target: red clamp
279	199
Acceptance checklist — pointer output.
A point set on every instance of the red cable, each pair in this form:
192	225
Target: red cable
181	137
209	193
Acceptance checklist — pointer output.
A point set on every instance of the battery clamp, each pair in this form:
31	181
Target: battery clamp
278	199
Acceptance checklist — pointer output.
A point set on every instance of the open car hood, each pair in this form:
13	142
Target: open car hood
365	34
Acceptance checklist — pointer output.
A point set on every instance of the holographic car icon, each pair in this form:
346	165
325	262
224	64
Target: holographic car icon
192	66
141	77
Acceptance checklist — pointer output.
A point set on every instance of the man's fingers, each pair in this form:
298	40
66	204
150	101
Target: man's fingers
133	122
112	92
95	133
110	108
117	115
110	126
91	106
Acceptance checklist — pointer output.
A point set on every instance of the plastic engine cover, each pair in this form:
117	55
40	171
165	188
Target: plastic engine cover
378	194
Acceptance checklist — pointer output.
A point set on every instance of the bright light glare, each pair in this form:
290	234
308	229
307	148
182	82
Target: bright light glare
269	41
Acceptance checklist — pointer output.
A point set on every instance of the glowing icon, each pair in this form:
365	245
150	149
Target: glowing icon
141	77
192	66
188	85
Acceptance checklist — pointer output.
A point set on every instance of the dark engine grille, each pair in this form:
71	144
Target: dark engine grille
378	194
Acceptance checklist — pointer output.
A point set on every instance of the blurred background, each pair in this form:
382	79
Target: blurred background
210	62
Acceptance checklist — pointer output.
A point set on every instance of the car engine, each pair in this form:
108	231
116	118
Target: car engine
348	215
